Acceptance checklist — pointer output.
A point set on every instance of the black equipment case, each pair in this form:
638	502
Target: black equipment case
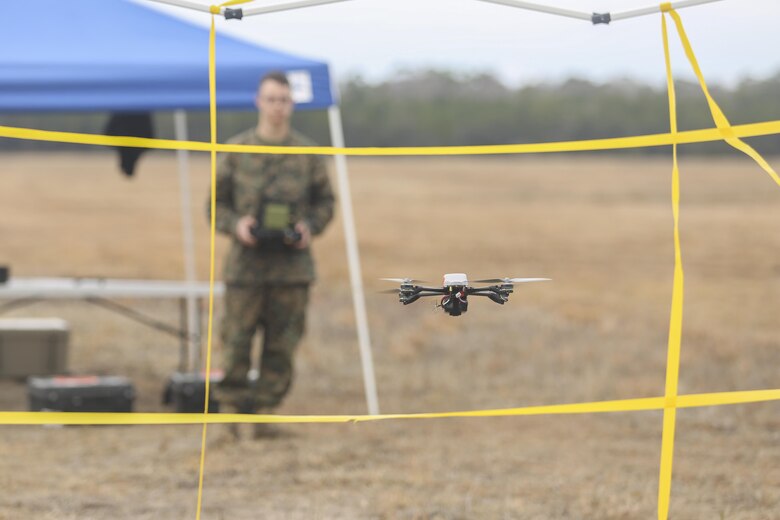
81	394
187	391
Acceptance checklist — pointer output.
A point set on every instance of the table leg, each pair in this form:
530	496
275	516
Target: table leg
184	346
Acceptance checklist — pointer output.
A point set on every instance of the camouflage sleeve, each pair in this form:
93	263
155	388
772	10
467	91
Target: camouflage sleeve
226	216
321	197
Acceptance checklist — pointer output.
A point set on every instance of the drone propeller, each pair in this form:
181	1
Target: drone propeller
511	280
403	280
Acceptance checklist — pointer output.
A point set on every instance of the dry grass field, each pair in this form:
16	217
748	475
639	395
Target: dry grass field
600	227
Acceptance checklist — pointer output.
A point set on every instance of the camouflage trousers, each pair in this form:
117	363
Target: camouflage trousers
279	311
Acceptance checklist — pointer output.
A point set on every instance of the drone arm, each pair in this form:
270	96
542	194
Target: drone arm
497	293
431	290
494	289
406	300
496	296
407	296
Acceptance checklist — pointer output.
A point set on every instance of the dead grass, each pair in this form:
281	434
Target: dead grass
600	227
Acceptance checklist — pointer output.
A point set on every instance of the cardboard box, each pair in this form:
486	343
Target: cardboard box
33	346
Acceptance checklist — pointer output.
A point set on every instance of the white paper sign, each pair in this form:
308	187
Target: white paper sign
300	85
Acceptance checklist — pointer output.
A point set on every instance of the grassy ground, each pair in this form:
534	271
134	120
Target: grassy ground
600	227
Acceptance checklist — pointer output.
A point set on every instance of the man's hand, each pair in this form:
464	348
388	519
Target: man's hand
243	227
303	228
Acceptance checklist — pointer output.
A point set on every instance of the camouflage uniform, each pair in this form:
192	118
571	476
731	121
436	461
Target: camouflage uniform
266	287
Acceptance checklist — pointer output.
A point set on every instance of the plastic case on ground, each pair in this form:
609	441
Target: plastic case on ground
187	391
81	393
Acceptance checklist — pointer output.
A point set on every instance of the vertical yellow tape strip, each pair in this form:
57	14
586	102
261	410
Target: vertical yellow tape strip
675	324
717	114
213	124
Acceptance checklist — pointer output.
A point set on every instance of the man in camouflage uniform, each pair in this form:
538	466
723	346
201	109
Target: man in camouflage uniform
267	281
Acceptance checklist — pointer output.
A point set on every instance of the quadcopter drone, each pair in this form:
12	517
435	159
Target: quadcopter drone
455	291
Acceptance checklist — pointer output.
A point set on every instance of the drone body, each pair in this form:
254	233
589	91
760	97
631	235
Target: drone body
456	289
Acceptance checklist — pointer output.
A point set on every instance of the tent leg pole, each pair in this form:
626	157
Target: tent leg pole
193	330
353	258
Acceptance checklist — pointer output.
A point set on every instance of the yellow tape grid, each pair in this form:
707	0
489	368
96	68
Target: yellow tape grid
668	403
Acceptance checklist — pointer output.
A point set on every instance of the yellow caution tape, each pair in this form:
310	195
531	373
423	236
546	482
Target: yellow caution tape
212	233
625	405
675	321
614	143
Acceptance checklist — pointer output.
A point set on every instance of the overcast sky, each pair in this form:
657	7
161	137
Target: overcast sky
733	39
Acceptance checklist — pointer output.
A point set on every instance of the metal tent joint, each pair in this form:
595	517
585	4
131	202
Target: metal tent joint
234	14
598	18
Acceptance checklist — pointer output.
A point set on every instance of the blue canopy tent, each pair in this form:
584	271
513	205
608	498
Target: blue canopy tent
121	56
98	55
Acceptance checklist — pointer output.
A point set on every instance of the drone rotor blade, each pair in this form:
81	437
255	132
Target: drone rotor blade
403	280
511	280
390	291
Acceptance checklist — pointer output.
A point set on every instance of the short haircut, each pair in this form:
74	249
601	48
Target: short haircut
277	76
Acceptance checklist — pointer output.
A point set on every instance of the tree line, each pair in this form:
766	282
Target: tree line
441	108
